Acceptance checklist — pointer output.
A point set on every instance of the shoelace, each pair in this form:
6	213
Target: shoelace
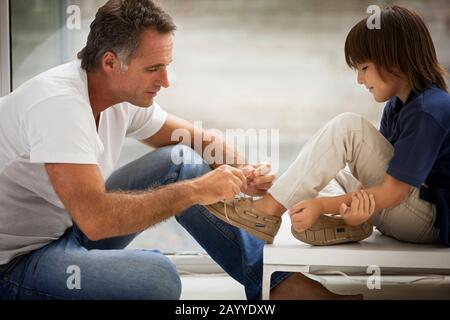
225	211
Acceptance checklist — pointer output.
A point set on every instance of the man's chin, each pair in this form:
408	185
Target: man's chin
143	104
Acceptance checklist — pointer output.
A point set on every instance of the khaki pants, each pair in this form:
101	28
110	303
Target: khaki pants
349	151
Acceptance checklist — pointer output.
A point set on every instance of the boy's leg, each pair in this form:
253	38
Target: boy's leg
412	221
349	139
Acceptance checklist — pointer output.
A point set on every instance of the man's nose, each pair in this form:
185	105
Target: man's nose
163	79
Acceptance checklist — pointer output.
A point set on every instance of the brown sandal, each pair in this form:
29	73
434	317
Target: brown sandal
331	230
239	213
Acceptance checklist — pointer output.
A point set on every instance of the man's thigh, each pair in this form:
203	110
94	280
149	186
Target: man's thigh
66	270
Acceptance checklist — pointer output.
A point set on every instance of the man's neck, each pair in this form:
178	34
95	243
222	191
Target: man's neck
101	96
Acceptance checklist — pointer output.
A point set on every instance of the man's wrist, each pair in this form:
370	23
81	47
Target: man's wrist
191	191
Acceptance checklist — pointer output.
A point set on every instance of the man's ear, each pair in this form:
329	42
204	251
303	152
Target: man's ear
110	63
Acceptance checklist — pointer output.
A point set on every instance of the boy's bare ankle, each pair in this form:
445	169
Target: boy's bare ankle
270	206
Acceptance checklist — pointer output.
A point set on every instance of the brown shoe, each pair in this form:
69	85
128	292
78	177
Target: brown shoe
239	213
330	230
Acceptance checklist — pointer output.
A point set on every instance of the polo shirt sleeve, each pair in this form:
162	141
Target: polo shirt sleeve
384	119
417	148
145	122
61	130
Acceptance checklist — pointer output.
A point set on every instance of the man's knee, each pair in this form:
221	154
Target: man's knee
191	163
157	278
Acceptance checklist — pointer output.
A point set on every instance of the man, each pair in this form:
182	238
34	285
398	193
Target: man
60	138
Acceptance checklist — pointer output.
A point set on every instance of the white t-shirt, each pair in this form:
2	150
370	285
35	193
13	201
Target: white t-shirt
49	120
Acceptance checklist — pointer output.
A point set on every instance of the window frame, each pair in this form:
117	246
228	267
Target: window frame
5	48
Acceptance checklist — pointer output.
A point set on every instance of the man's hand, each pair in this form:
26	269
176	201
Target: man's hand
360	210
305	214
260	179
221	184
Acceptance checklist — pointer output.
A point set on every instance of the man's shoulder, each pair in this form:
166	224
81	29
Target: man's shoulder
64	80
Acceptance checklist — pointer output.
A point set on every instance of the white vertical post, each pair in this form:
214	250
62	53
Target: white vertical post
5	48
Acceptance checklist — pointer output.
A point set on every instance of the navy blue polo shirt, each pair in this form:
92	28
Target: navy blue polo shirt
419	131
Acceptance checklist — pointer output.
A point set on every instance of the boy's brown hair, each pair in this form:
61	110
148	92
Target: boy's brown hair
403	43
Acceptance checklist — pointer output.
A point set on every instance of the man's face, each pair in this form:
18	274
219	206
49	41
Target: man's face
146	74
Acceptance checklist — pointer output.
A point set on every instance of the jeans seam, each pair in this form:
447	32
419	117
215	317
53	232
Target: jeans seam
23	288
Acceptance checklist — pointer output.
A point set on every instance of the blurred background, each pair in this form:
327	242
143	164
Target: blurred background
247	64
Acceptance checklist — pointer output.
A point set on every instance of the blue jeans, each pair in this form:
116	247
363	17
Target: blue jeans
74	267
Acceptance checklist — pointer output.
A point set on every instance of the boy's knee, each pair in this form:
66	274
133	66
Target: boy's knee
347	119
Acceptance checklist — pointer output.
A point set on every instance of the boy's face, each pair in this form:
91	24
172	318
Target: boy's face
383	86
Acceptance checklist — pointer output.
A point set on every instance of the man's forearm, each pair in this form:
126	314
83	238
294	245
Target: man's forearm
119	214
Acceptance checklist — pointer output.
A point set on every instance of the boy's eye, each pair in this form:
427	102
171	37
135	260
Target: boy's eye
364	68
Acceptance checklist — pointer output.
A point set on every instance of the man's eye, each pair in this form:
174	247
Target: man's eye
152	69
365	68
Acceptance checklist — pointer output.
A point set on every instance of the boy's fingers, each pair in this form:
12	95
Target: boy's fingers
343	209
372	204
366	202
361	202
355	203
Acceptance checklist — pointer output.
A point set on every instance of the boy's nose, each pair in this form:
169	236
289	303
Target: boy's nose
360	78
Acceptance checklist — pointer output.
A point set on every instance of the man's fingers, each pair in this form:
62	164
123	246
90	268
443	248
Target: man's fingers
238	182
262	169
238	173
248	171
263	179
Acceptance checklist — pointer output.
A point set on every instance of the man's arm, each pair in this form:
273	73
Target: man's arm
164	138
101	214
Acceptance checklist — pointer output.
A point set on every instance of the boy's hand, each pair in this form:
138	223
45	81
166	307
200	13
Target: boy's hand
305	214
360	210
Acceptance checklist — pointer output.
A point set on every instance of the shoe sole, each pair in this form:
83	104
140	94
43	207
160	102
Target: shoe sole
330	231
260	235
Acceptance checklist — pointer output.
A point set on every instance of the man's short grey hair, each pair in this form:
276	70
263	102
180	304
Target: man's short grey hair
118	27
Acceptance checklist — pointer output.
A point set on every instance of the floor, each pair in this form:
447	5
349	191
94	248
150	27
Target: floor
222	287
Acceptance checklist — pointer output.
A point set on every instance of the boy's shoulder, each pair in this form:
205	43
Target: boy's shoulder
435	102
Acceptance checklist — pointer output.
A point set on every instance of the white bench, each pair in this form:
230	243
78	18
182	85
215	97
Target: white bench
391	256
